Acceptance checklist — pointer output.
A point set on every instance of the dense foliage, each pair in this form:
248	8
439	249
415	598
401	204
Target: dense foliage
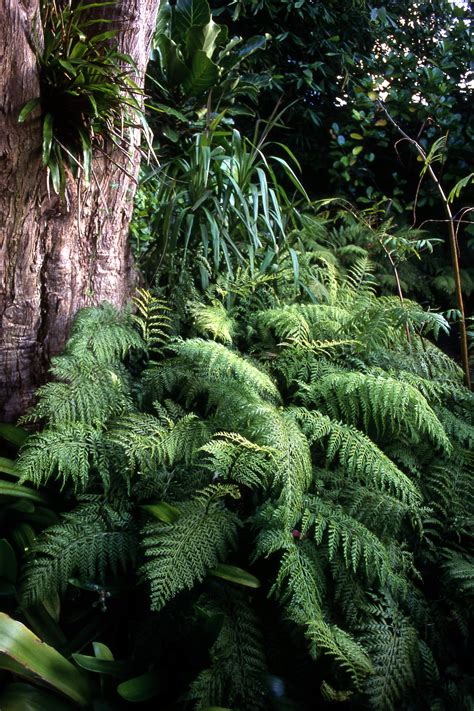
313	437
254	488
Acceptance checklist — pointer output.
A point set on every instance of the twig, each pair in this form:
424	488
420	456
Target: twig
453	242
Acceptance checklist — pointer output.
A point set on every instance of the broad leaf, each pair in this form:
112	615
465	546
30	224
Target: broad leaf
25	654
203	75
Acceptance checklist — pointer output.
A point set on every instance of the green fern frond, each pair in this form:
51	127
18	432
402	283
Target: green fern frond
153	320
393	643
233	457
148	443
85	544
358	455
105	332
389	405
92	392
72	453
214	362
213	319
458	573
292	472
344	536
180	554
238	670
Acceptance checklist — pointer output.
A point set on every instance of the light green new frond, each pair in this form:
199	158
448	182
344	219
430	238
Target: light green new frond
105	332
393	644
179	554
233	457
287	322
214	363
148	443
84	545
153	320
377	400
92	392
354	543
71	453
359	281
213	320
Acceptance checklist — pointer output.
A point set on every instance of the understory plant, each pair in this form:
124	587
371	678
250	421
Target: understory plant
280	495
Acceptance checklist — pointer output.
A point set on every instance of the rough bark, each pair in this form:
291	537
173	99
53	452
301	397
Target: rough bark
55	259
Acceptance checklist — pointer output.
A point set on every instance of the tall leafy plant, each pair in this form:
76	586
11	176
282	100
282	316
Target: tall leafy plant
319	458
88	96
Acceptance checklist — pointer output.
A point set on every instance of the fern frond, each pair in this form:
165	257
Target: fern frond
233	457
358	547
458	573
358	456
148	443
238	669
214	362
380	401
72	453
92	392
349	655
213	319
105	332
393	643
85	544
153	320
180	554
292	471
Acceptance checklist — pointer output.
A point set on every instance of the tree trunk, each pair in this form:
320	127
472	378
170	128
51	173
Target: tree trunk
56	258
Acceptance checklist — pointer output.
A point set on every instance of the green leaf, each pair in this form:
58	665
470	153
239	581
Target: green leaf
13	434
8	566
47	137
22	492
101	665
163	511
24	653
141	688
189	13
24	697
172	62
357	150
235	575
27	109
7	466
203	75
101	651
202	38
